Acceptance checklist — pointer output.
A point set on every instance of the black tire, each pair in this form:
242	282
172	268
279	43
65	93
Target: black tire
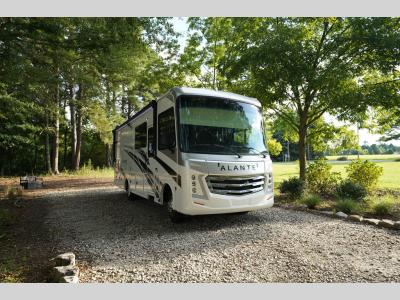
242	212
131	196
175	217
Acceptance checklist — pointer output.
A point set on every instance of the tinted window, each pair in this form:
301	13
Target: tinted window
140	135
150	144
217	125
166	129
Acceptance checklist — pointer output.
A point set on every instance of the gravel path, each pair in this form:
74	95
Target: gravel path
126	241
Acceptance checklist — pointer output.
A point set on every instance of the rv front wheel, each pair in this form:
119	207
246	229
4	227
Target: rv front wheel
175	216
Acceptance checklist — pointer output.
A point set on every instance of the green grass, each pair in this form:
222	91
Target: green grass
88	172
388	157
388	180
383	205
385	201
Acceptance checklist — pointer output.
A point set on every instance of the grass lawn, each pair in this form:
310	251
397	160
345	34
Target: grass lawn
388	157
383	203
389	180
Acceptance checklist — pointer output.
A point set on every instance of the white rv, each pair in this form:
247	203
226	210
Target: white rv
196	151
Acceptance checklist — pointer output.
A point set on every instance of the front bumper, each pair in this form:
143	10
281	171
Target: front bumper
219	204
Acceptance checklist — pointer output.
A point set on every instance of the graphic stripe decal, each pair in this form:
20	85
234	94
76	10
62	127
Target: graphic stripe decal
175	176
146	171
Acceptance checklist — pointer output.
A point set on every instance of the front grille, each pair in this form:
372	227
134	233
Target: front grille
242	185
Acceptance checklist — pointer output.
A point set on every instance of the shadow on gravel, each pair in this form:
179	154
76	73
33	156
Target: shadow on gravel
26	242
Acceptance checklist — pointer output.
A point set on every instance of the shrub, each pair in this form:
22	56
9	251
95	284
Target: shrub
347	206
365	173
293	186
311	201
342	158
397	159
5	190
382	207
14	192
320	179
352	190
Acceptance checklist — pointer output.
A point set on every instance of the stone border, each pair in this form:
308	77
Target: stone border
386	223
64	269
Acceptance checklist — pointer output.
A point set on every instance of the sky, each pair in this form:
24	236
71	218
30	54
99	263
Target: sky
181	26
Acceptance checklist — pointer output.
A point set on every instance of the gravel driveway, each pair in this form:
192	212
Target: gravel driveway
124	241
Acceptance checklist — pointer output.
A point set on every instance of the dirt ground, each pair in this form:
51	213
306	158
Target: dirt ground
26	242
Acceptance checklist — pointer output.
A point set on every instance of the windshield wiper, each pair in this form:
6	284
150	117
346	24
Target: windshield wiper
223	147
254	149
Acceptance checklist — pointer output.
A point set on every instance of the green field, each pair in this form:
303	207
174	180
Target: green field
389	157
389	180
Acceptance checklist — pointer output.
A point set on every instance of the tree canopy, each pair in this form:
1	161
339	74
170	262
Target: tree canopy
66	82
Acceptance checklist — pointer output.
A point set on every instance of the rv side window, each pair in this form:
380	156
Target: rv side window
140	136
166	129
150	141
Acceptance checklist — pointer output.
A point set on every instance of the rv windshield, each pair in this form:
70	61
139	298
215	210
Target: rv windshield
220	126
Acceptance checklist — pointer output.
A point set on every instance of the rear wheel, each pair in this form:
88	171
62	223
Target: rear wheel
175	216
131	196
242	212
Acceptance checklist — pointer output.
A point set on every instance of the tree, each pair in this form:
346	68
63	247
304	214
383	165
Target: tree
205	49
274	147
344	139
309	65
99	68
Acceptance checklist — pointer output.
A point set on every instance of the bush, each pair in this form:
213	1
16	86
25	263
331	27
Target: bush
13	192
342	158
311	201
320	179
382	207
347	206
397	159
352	190
293	186
365	173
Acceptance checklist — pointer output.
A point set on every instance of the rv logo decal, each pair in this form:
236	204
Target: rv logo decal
241	167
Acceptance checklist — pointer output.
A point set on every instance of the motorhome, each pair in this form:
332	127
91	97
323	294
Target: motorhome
196	151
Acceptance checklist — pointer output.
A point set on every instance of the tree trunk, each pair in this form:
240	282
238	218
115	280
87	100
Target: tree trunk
302	146
78	139
65	148
128	100
108	156
35	155
73	126
56	138
47	146
77	156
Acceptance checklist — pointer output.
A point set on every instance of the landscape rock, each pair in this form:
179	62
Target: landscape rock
341	214
65	259
371	221
355	218
62	271
327	212
386	223
397	225
69	279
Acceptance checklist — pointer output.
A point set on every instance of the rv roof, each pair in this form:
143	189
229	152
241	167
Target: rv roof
178	91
